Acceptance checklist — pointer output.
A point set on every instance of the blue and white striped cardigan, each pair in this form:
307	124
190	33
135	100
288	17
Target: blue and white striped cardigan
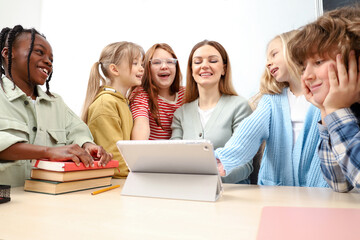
282	163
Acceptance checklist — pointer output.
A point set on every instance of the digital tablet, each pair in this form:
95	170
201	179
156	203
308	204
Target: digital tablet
169	156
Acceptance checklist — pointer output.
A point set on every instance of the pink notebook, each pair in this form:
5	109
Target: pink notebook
293	223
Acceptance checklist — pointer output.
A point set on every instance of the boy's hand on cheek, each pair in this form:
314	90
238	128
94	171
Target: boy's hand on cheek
308	95
344	86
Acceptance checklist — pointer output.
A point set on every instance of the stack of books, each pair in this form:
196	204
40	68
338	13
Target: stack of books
53	177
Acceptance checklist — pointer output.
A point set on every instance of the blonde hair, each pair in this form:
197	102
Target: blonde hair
337	31
225	84
268	84
113	53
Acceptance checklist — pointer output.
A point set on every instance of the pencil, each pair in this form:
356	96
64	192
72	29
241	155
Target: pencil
105	189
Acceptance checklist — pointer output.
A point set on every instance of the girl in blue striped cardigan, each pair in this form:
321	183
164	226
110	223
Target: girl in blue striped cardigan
285	121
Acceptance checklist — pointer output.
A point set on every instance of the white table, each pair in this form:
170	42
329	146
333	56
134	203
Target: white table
109	215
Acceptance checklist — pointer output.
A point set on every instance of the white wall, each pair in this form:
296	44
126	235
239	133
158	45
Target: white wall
26	13
78	30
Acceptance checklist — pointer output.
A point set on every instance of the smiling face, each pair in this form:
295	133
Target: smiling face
276	61
40	64
315	76
163	74
207	66
131	77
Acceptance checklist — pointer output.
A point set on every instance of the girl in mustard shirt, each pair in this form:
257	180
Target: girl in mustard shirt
106	109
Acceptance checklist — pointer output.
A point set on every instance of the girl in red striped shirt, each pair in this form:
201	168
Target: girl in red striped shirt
154	102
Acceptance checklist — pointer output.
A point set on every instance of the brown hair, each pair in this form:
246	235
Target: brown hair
225	84
149	85
337	31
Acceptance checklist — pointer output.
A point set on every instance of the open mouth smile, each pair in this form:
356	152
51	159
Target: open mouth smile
44	71
164	75
274	70
206	74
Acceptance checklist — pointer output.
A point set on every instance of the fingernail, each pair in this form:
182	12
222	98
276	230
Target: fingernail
352	52
77	164
87	165
339	56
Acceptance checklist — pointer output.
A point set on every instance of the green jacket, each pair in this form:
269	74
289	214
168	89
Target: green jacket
47	121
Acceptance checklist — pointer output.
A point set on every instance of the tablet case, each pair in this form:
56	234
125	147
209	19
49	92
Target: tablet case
176	169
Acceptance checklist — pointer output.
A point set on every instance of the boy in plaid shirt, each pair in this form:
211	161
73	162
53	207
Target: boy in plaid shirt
328	51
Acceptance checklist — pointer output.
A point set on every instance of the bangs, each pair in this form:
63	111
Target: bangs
326	36
131	52
307	43
135	52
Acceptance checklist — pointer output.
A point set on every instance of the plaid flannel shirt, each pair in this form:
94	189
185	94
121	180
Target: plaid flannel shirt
339	150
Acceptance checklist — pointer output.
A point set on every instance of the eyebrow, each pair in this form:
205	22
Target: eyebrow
42	46
273	50
208	56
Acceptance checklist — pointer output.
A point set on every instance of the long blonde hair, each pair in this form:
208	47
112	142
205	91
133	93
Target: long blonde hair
268	84
113	53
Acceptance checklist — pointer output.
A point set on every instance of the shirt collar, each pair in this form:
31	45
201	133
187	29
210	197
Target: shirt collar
14	93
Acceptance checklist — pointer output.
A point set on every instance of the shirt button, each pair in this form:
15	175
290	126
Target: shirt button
26	102
200	134
34	129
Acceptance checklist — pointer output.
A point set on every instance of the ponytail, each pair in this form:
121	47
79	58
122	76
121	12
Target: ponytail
114	53
92	89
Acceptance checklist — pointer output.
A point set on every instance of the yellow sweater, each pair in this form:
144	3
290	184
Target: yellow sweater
110	120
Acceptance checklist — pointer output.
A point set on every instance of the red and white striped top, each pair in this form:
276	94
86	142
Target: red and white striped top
140	108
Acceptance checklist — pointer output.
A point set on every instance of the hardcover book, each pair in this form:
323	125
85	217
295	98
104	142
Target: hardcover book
72	175
51	187
68	166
